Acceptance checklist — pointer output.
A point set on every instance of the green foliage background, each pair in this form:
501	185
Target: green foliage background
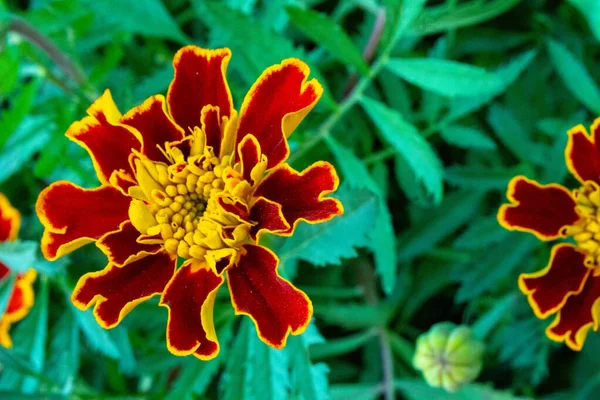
430	108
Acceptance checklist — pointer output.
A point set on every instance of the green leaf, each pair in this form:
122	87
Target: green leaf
482	233
340	346
590	10
144	17
21	107
488	321
484	178
359	391
63	359
327	33
271	380
97	337
399	15
456	210
445	77
407	141
383	237
352	315
575	76
127	361
450	16
310	381
239	369
419	390
9	71
19	256
157	82
329	242
6	288
467	138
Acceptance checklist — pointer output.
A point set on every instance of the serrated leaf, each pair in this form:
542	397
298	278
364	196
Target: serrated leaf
237	376
19	256
575	76
145	17
445	77
467	138
330	242
451	16
271	380
63	358
409	144
455	211
97	337
326	32
383	237
310	381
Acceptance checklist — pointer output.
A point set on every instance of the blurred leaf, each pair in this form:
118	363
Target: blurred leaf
63	357
339	346
21	106
489	321
448	16
590	9
320	244
484	178
419	390
322	30
127	361
359	391
399	15
145	17
237	378
97	337
407	141
482	233
310	381
456	210
6	288
353	315
9	71
19	256
157	82
467	138
445	77
271	380
575	76
382	237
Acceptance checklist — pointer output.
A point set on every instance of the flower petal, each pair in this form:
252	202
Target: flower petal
10	220
276	104
108	142
155	126
20	303
582	153
268	217
121	246
199	81
273	303
577	316
302	194
115	291
543	210
549	289
210	120
73	216
190	298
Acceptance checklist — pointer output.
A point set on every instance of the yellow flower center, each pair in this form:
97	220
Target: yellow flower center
586	232
180	204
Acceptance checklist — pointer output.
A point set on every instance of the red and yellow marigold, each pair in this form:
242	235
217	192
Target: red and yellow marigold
569	286
187	177
21	298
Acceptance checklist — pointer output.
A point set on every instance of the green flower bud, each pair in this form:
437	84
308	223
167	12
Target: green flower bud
448	356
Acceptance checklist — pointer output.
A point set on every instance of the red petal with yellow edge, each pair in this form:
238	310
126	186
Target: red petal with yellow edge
276	104
156	128
190	298
539	209
108	143
10	220
121	247
582	154
73	216
302	194
199	81
21	299
249	154
268	218
577	316
273	303
115	291
549	289
211	126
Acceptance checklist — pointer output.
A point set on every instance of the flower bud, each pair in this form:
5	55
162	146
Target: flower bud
448	356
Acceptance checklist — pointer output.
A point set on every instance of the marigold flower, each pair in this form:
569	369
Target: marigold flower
569	286
187	177
21	298
448	356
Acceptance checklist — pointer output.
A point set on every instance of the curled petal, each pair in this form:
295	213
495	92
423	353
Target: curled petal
121	246
73	216
210	121
268	217
108	142
579	313
276	104
565	275
190	298
302	194
155	126
199	81
543	210
273	303
582	153
115	291
10	220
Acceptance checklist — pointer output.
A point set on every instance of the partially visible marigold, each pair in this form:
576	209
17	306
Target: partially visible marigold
21	299
569	286
187	177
